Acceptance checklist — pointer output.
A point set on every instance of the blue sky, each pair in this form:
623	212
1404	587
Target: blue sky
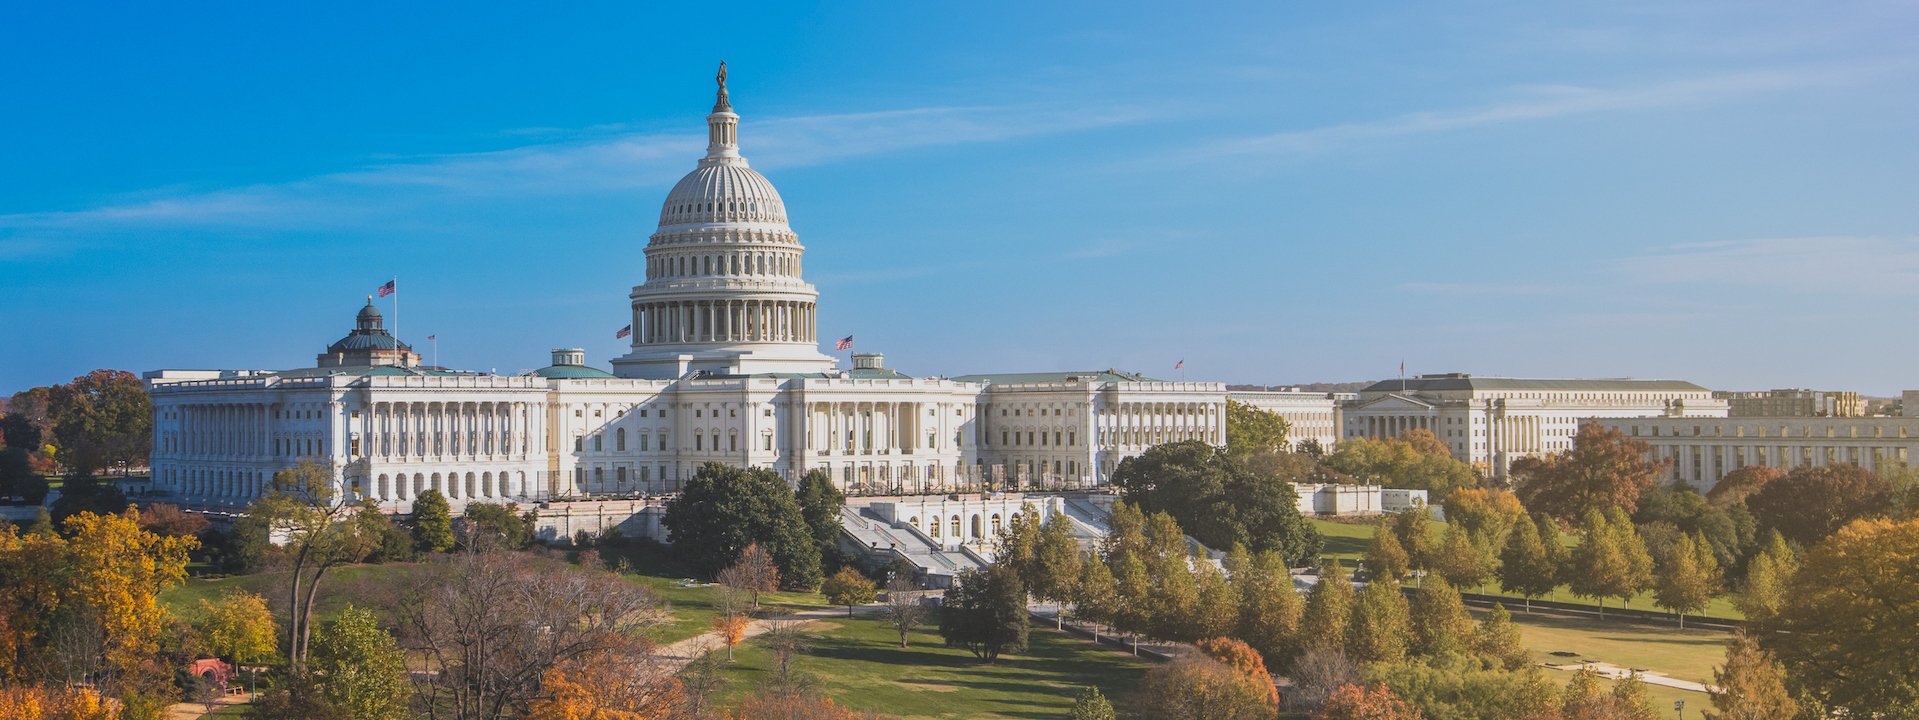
1276	192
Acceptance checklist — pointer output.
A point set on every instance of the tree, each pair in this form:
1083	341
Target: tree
1456	687
820	505
609	686
239	627
1318	674
903	609
1688	577
985	612
1766	576
115	572
1382	623
723	509
359	669
754	573
1357	702
1091	705
1327	617
1250	429
1734	487
1498	640
1607	562
168	519
1526	567
1269	609
1242	658
1217	611
1217	500
1603	469
1201	688
1459	560
101	419
1417	460
302	507
848	587
432	522
1666	513
1055	568
499	525
493	623
1439	619
1844	630
1811	502
777	703
1413	528
1095	595
1486	514
1172	599
17	478
386	540
1585	699
1751	685
731	626
1384	556
1018	544
32	702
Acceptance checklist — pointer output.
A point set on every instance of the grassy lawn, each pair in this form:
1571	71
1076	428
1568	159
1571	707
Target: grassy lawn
1687	655
374	586
858	663
693	608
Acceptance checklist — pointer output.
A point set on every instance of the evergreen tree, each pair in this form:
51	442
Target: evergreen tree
1384	557
1498	640
1381	624
985	612
1328	613
432	522
1440	622
1526	568
1688	578
723	509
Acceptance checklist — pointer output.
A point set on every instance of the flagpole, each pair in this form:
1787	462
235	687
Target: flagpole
396	320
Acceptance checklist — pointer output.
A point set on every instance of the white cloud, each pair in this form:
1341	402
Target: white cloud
1797	266
601	164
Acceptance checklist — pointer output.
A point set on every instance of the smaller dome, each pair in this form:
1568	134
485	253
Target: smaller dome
570	364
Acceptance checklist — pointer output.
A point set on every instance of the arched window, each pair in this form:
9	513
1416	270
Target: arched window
996	525
934	528
956	526
619	439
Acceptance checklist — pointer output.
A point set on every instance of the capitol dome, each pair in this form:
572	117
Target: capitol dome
723	292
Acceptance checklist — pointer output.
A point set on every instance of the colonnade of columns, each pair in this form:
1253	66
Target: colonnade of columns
1153	423
747	263
234	431
866	428
439	429
1389	426
724	321
216	485
487	485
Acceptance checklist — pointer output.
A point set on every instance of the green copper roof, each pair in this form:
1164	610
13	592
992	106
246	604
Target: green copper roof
572	372
370	371
1108	375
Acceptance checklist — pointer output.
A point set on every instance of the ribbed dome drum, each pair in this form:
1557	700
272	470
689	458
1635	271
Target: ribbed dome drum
723	291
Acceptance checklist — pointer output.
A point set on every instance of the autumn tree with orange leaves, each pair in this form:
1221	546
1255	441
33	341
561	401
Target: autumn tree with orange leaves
630	685
1603	470
1357	702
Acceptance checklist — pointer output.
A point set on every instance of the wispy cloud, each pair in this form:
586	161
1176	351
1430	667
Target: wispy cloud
1799	266
602	163
1540	102
1489	289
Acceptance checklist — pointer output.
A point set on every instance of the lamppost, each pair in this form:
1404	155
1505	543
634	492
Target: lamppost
1679	706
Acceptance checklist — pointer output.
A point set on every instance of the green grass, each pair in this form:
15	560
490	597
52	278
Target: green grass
1686	655
693	609
370	586
858	663
1345	541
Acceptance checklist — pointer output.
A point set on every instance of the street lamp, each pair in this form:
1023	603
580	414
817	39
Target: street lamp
1679	706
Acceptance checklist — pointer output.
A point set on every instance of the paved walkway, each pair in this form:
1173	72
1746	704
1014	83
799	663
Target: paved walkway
680	654
1615	672
194	710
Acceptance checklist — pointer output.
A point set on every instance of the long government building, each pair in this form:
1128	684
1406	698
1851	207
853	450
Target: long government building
724	366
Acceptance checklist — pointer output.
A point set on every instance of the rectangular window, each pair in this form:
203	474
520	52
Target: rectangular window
732	443
699	441
766	442
579	444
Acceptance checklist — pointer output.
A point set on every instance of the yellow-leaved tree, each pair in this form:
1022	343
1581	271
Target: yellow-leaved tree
240	627
118	570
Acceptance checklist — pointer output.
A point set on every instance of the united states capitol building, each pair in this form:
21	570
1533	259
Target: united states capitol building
724	366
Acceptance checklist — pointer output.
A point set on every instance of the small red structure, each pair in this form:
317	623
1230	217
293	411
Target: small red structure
213	670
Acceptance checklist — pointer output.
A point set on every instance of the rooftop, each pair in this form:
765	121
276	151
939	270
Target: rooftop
1108	375
1463	381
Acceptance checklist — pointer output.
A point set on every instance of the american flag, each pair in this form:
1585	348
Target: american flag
625	331
431	338
845	343
387	289
1180	365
